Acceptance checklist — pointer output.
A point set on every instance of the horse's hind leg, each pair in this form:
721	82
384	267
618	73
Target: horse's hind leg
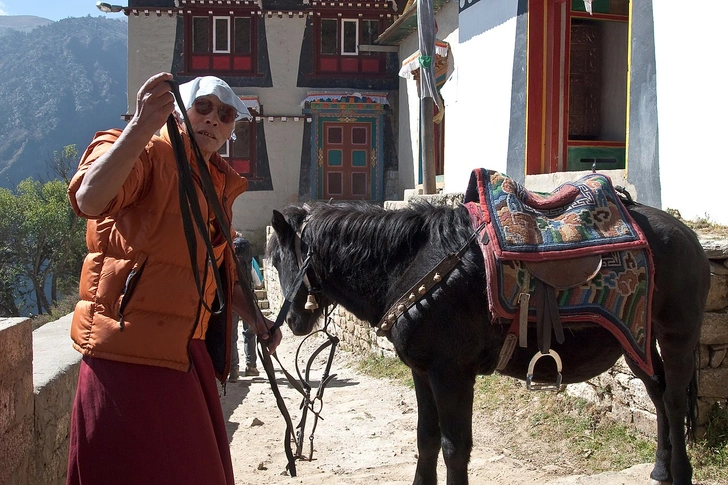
670	396
656	390
679	371
428	431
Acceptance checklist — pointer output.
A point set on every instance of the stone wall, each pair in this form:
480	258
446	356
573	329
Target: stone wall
55	375
16	400
38	373
712	360
618	391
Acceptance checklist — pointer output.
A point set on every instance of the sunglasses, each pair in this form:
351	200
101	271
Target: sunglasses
225	113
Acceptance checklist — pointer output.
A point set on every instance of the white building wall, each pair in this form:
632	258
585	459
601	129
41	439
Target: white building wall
692	106
150	46
409	121
151	49
252	211
284	37
477	103
478	93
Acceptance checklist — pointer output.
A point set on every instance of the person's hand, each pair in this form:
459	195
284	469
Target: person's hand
262	330
154	104
105	177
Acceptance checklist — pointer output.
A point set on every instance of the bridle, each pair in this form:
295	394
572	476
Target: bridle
302	277
308	404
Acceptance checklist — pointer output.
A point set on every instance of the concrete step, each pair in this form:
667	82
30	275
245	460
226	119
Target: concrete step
261	294
263	304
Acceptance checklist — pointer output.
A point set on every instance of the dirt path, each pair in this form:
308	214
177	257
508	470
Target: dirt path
367	435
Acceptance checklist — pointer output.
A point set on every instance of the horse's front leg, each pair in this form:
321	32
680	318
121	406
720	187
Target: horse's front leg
428	431
453	392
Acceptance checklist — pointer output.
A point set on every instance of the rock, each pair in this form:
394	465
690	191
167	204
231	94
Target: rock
254	422
716	357
719	267
715	328
704	408
718	292
713	382
714	248
703	356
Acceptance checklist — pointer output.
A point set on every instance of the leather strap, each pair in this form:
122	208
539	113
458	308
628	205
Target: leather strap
424	285
271	373
208	189
524	300
547	316
191	211
509	344
188	195
298	280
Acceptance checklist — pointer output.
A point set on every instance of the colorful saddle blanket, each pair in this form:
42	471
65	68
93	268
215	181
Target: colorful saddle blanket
581	218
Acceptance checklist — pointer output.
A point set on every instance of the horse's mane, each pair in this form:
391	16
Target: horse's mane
358	235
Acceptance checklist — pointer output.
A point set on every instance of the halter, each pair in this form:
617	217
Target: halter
303	386
311	303
315	404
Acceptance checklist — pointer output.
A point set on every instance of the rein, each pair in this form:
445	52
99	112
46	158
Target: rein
271	373
307	403
190	205
190	209
302	384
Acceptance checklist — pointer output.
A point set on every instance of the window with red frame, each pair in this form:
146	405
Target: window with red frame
241	153
338	41
221	44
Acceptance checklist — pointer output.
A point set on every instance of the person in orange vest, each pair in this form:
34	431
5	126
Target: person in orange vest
152	324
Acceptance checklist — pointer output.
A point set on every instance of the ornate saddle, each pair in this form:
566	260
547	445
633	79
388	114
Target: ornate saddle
573	255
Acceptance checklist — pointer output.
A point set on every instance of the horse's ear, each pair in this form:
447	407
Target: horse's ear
280	225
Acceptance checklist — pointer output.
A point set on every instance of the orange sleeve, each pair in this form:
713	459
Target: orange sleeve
130	190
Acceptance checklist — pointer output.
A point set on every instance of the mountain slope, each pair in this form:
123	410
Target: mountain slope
24	23
61	83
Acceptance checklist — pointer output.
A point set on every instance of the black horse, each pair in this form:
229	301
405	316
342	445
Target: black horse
365	258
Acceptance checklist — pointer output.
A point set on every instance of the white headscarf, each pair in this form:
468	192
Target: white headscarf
206	85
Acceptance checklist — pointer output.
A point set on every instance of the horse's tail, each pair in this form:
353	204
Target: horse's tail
691	417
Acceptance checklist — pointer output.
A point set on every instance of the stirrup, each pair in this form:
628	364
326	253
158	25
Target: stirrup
537	386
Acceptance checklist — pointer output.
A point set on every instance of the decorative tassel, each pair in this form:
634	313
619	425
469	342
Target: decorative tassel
311	304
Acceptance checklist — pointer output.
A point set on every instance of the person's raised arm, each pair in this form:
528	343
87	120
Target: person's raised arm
105	176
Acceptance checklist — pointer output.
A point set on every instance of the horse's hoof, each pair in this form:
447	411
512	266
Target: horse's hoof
657	482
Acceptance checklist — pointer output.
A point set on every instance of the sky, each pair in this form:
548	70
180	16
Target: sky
57	9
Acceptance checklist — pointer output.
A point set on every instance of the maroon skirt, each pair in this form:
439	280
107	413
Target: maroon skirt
140	424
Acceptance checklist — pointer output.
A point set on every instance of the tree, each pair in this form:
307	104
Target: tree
8	274
43	244
64	164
